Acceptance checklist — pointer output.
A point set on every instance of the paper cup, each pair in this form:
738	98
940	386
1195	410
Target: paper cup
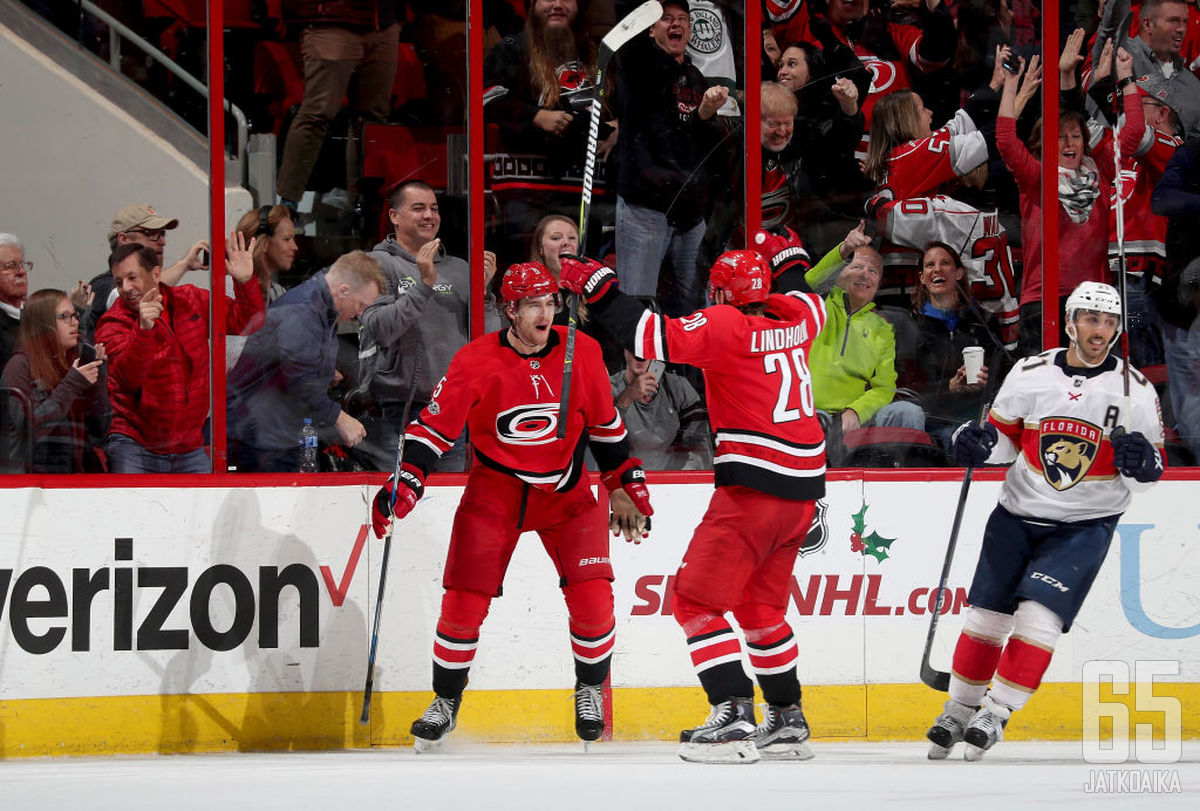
973	361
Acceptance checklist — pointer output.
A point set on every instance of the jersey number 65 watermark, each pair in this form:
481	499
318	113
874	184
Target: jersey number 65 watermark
1152	743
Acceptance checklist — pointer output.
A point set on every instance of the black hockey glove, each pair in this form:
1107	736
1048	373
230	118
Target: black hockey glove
412	485
1135	457
972	444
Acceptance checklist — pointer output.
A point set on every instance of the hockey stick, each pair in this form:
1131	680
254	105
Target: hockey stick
1121	261
634	23
368	688
939	679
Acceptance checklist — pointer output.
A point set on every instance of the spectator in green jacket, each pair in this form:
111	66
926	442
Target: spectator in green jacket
853	359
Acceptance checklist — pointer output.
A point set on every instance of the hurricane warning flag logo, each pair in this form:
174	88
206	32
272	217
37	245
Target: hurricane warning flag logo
1067	448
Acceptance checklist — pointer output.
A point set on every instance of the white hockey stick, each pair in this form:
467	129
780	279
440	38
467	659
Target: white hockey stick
634	23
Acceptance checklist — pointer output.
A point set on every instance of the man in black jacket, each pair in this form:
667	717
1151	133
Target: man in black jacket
668	137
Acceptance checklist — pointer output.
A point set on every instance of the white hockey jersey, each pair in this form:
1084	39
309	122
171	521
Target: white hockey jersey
1055	421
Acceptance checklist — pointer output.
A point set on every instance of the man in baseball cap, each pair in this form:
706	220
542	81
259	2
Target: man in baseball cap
140	223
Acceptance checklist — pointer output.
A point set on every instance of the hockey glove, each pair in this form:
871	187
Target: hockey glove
632	479
412	485
972	444
587	277
1135	457
783	252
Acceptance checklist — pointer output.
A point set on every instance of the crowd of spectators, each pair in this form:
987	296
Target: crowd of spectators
901	151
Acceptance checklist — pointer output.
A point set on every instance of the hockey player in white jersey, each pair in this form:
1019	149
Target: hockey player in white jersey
1079	448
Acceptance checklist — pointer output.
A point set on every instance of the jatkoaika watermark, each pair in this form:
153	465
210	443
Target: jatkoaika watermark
1133	781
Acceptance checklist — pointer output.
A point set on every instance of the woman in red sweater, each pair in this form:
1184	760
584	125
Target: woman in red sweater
1084	186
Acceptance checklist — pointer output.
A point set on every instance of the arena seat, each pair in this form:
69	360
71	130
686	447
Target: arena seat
891	447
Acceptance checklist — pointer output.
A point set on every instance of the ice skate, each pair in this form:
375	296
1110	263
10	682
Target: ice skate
986	728
948	728
431	728
589	712
783	733
727	736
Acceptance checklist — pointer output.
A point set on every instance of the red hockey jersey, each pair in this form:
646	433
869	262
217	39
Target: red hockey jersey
1145	231
759	389
509	402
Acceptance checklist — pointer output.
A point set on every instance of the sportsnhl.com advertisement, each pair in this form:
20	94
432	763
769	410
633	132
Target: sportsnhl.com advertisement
214	590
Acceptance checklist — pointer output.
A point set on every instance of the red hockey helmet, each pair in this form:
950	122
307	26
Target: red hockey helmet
743	276
526	279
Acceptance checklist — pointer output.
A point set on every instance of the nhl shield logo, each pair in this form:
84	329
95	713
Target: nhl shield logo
1067	447
818	533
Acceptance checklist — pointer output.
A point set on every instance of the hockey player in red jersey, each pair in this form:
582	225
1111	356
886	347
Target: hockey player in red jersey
505	388
1078	448
769	469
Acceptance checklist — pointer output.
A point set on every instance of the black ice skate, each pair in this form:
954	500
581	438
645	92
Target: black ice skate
727	736
783	733
589	712
948	728
431	728
986	728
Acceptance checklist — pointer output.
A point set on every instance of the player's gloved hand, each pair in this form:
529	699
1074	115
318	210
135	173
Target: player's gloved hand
632	479
412	485
783	252
1135	457
972	443
587	277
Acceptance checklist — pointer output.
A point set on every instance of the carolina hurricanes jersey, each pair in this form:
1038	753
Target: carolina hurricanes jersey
759	389
1055	421
913	223
509	402
887	75
916	168
1145	231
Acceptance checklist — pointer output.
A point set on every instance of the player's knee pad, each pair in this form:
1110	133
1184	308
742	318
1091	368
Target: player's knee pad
1037	623
988	625
758	621
463	612
590	605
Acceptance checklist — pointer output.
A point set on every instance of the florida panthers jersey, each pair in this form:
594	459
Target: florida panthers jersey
509	402
1055	421
759	389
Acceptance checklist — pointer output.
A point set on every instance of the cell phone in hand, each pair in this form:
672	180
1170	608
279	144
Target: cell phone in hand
656	368
202	255
1011	64
87	353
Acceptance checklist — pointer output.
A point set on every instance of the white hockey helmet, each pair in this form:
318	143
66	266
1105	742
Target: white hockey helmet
1095	296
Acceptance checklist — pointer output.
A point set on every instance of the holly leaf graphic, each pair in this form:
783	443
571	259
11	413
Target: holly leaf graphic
877	546
860	519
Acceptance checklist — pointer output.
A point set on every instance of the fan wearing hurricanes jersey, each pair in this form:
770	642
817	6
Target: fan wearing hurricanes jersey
1079	448
769	470
505	388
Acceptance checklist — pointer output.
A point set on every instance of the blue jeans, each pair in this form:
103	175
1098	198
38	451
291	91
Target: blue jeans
1145	335
644	239
125	455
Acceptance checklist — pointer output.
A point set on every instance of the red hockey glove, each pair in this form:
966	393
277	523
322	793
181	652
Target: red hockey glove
1135	457
587	277
782	252
632	479
412	485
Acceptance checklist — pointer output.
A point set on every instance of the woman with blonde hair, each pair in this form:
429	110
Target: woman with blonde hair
274	236
64	382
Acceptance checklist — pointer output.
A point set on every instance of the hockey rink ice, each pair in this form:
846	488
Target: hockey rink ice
611	776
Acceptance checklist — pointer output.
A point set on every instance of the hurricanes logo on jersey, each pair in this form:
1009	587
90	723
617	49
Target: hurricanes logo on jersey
1067	449
532	424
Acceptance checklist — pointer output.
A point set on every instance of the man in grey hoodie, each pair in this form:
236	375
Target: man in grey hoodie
414	328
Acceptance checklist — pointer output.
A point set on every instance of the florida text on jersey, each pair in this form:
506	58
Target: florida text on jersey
1055	420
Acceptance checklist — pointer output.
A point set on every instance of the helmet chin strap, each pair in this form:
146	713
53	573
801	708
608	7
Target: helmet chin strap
1073	333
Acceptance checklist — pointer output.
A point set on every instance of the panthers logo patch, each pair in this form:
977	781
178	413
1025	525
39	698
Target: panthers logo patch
1066	450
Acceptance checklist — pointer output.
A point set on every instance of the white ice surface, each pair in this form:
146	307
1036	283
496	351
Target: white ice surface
611	777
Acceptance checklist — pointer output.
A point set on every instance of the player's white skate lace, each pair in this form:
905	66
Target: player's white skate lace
948	728
726	736
986	728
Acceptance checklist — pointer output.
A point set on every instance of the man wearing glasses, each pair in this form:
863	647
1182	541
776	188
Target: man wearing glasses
14	286
140	223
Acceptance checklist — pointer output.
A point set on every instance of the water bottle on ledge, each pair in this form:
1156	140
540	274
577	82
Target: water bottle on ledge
308	447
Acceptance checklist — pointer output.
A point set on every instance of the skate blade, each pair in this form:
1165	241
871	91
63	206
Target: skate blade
973	753
786	751
728	752
937	752
422	745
